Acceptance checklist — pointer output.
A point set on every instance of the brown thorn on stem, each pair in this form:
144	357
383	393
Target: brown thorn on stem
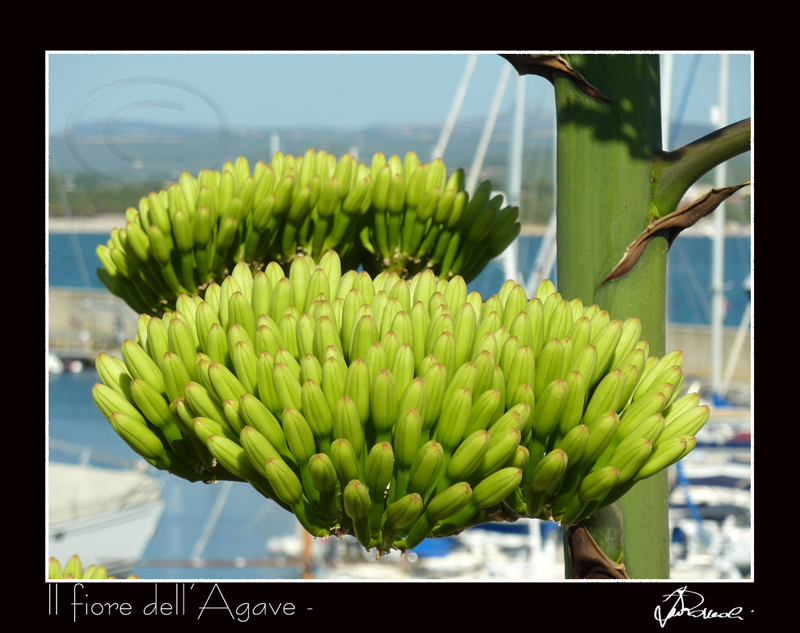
673	224
588	560
547	65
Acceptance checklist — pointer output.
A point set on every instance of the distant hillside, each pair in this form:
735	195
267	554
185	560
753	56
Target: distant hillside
135	150
107	170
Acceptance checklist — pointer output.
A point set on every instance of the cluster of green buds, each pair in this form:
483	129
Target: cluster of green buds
397	215
74	570
396	409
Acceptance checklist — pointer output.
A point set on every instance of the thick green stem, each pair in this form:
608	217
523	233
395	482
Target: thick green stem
604	169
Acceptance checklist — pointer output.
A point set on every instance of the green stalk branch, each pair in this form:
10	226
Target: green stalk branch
674	172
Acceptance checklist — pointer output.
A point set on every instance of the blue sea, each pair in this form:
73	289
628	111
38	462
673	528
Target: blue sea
247	520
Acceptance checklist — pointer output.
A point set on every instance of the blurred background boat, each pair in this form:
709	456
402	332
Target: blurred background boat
710	505
103	508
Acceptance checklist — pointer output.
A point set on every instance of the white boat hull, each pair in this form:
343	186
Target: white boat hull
115	539
105	516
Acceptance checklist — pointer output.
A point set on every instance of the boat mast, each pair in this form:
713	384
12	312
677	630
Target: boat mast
718	252
455	108
510	257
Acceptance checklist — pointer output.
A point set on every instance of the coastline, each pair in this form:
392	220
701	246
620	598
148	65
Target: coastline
101	223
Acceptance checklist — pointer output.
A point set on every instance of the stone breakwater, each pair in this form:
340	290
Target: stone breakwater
102	223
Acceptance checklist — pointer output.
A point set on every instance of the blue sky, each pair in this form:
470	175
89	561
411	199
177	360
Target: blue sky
334	90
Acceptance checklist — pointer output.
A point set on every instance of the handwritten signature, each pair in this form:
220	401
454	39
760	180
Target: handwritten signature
689	603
